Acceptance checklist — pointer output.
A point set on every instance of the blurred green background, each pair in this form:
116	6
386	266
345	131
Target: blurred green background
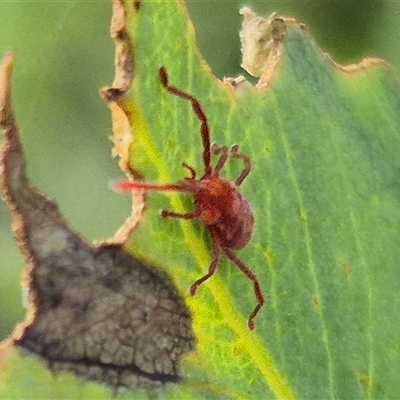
64	55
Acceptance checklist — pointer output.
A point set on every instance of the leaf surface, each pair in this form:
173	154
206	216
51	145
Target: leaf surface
324	191
323	188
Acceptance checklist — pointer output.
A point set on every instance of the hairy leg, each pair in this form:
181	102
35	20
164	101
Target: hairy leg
191	169
234	153
257	290
213	265
223	152
198	110
126	186
171	214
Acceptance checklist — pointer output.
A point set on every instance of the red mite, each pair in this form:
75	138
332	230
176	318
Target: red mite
218	203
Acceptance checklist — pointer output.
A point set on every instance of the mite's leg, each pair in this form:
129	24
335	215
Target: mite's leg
205	130
213	266
234	153
223	151
257	290
191	169
126	186
171	214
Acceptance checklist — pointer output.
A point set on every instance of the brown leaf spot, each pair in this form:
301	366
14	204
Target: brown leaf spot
137	5
105	315
238	84
317	301
93	310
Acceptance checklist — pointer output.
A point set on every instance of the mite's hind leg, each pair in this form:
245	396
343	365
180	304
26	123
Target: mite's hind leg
257	290
213	265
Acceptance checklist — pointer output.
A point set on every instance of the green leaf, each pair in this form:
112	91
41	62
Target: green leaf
28	378
324	191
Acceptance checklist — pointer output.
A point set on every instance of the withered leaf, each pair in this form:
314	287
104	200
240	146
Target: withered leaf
93	309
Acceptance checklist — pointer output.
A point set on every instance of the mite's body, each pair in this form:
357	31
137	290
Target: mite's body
218	203
226	211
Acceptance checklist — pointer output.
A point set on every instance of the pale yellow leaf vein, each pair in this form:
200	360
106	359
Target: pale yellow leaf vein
258	354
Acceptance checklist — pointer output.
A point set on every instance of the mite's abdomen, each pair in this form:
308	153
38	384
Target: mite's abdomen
226	211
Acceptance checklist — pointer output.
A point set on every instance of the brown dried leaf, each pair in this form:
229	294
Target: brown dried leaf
93	310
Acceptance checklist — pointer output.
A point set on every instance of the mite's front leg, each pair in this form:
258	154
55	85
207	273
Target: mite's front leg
171	214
